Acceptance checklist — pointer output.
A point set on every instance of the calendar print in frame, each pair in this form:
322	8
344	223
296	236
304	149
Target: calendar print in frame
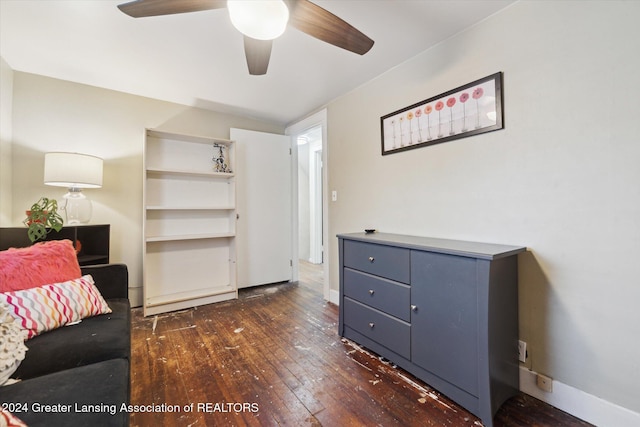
468	110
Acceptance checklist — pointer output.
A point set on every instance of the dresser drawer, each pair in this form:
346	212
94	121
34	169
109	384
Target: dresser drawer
393	298
387	331
385	261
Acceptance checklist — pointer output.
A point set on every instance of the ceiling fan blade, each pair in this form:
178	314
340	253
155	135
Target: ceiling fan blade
324	25
258	53
143	8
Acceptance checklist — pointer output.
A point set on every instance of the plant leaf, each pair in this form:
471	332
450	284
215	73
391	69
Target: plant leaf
37	231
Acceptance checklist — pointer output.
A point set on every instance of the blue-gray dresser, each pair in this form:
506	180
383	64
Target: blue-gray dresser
444	310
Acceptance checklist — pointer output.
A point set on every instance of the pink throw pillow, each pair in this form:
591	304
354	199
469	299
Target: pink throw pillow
46	262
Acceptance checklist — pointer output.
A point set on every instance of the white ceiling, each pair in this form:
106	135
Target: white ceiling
197	59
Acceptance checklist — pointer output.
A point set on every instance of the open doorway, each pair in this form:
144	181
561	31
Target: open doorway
310	207
314	127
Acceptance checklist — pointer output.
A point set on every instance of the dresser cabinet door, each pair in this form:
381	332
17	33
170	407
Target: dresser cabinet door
444	321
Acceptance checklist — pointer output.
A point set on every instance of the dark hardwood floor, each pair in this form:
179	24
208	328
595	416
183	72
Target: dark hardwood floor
274	357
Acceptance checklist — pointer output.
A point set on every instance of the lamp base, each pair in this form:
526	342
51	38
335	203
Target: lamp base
77	207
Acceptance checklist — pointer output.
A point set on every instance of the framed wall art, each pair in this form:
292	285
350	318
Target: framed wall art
468	110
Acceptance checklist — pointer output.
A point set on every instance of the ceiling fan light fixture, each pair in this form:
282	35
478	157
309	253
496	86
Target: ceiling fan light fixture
261	20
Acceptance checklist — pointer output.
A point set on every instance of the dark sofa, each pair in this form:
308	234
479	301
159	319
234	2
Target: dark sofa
78	375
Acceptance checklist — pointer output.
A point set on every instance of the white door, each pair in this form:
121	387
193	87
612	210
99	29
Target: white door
263	203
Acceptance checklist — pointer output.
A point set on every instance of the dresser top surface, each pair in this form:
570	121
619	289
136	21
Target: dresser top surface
446	246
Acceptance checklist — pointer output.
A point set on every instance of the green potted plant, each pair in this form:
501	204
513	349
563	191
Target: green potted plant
43	215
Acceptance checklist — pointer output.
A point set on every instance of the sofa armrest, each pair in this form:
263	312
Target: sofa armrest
112	280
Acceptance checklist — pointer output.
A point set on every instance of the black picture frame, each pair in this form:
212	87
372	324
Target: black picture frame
472	109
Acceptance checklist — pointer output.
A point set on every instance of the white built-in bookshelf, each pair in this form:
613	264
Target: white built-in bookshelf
189	230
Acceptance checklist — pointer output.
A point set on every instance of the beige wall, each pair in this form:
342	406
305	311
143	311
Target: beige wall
6	104
561	178
55	115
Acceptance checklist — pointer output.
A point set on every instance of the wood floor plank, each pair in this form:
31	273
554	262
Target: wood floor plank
277	352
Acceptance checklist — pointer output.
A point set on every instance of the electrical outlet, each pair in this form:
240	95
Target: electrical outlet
544	383
522	351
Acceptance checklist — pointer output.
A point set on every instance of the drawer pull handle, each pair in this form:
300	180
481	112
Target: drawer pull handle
371	291
371	325
414	308
371	259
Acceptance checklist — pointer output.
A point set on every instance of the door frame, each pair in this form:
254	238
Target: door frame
315	220
314	120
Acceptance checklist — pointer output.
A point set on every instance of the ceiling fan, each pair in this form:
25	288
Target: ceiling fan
252	17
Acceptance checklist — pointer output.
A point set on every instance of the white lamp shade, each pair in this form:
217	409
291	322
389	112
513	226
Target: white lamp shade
72	170
261	20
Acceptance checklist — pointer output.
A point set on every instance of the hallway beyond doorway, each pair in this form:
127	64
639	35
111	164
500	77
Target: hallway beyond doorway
311	275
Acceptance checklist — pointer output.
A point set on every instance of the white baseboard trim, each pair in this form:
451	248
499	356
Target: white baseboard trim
334	296
135	296
578	403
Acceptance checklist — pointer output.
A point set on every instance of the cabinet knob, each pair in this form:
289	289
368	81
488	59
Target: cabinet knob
371	325
371	259
414	308
371	291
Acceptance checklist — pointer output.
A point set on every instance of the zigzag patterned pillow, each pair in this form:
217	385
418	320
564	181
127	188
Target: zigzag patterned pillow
50	306
10	420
